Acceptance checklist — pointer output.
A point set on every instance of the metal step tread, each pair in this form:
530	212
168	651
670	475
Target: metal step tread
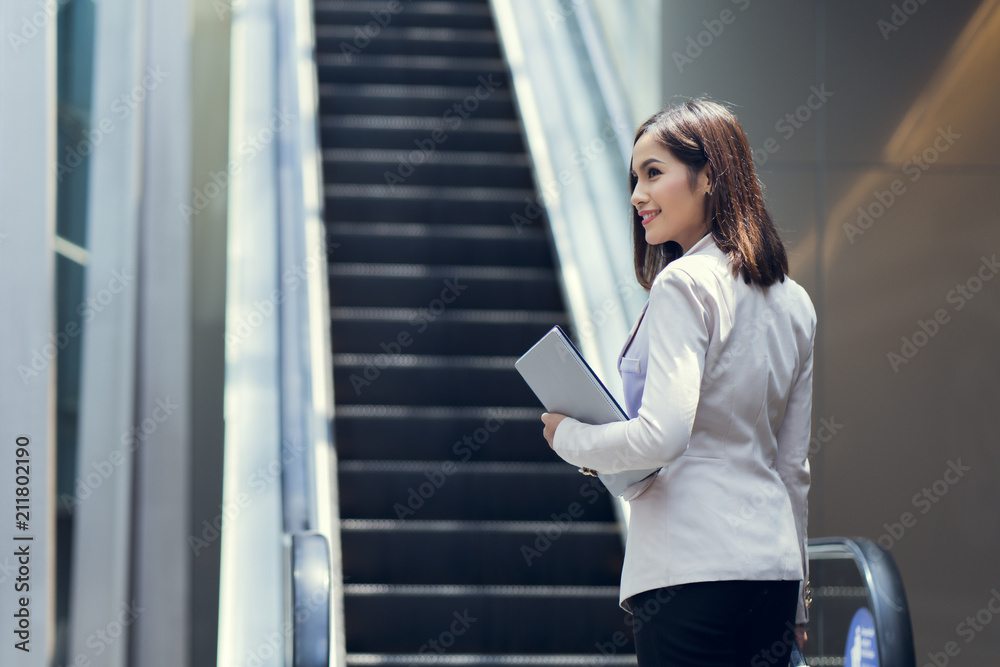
451	526
445	194
410	271
500	660
435	7
415	34
452	590
437	412
351	314
465	158
429	123
468	467
453	193
382	361
403	91
484	66
438	231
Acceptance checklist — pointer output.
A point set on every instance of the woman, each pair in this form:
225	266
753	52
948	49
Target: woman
717	373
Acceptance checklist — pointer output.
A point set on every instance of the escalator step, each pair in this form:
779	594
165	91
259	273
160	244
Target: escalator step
522	553
372	38
439	289
470	99
484	491
458	169
404	243
465	332
470	614
404	13
607	658
436	433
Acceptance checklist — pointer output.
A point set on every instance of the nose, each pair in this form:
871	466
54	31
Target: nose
638	195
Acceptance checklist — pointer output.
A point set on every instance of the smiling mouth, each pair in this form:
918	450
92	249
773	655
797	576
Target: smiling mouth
647	216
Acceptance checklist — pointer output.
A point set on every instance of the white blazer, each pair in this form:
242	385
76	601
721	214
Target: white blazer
718	382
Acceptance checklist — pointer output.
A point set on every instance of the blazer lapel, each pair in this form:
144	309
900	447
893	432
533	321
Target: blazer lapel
631	335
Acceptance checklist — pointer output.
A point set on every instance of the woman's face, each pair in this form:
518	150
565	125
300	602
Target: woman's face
669	208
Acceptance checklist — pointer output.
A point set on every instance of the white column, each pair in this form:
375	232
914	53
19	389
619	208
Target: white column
102	607
27	327
161	555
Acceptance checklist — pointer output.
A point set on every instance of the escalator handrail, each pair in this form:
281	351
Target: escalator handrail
310	494
886	593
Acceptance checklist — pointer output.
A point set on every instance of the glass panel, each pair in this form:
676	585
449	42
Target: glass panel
78	138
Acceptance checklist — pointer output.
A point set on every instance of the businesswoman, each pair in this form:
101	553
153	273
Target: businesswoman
717	374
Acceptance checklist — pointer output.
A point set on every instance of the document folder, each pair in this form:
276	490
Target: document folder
565	384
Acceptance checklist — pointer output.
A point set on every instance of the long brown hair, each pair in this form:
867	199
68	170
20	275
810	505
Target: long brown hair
701	132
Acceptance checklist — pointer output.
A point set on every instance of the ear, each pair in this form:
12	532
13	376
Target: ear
704	180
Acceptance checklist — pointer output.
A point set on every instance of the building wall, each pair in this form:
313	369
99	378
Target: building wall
874	131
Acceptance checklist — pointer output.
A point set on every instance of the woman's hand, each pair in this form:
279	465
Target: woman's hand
801	636
551	422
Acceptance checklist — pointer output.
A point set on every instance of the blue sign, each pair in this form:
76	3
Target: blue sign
862	649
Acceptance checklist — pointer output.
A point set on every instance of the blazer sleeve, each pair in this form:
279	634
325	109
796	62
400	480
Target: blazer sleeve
793	459
679	336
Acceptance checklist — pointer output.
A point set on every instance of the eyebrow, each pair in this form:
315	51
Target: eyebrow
647	162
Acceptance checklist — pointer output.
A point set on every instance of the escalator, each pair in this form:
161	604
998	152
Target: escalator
464	539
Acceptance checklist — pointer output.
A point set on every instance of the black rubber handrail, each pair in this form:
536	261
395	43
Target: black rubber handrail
885	592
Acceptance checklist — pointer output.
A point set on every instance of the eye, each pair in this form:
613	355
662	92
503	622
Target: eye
653	171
